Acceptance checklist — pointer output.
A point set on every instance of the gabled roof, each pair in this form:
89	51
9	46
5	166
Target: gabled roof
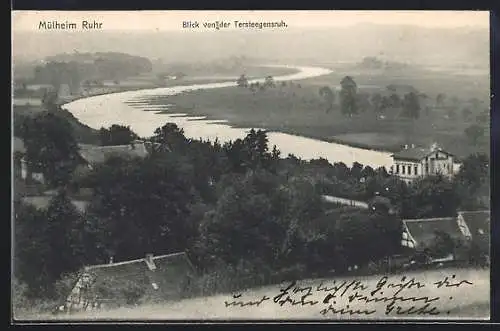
423	231
98	154
478	222
416	154
160	280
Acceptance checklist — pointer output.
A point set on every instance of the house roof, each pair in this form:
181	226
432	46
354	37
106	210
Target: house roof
43	202
415	154
423	231
18	145
93	154
169	273
478	222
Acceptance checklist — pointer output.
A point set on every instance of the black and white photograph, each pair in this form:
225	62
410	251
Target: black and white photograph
250	166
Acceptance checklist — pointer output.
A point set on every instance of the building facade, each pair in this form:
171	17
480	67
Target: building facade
412	163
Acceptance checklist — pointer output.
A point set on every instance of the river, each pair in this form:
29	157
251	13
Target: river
116	108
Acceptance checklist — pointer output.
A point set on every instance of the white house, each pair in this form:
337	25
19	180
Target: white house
414	162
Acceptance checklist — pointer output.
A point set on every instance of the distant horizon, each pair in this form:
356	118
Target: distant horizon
322	36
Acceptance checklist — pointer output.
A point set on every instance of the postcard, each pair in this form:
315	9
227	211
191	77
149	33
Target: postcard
250	165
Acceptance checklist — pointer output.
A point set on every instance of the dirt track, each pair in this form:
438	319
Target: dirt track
470	300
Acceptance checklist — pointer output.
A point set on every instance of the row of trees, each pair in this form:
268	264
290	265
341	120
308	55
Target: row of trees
411	103
352	102
80	68
269	82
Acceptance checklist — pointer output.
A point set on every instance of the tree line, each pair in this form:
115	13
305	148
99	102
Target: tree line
234	205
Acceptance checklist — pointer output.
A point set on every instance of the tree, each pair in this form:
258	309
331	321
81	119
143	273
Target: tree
242	81
440	98
51	147
171	136
395	100
368	172
31	249
411	106
348	92
142	205
117	135
65	233
251	152
341	171
378	234
474	133
356	170
384	104
473	180
242	227
363	100
376	101
432	196
327	94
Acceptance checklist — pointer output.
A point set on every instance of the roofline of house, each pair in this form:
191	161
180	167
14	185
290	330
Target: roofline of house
97	266
406	158
429	219
395	156
474	211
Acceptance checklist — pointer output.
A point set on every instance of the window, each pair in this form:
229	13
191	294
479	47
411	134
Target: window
427	168
415	170
403	168
409	170
397	168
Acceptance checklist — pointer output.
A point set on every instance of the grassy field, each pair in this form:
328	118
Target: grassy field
298	108
468	301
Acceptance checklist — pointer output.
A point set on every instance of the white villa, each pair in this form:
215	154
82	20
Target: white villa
413	162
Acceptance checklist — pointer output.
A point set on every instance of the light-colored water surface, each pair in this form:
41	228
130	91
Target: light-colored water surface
105	110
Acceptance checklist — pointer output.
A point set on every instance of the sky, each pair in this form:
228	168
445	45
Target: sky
172	20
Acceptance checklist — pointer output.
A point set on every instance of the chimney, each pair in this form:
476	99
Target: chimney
434	147
110	259
412	145
150	262
406	146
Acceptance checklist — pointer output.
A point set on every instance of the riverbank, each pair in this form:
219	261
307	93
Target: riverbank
299	110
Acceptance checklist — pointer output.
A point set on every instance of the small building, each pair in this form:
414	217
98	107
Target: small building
22	168
412	163
92	154
421	234
152	278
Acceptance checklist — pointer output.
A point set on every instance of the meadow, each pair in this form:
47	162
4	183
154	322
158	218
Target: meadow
297	108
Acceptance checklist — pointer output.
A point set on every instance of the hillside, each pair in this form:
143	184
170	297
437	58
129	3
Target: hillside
426	46
83	133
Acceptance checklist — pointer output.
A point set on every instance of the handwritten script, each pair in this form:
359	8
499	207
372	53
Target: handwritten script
390	296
